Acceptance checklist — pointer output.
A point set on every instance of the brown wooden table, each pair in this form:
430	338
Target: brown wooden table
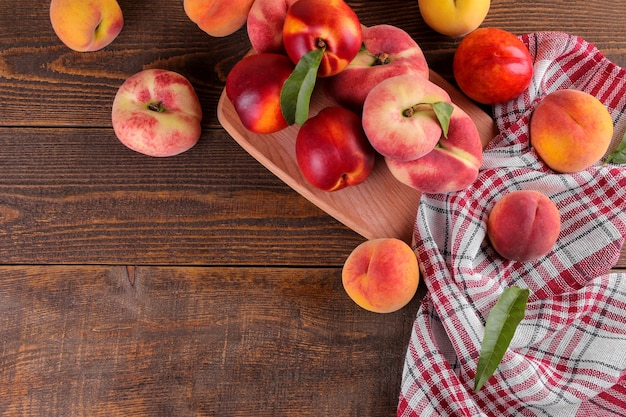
197	285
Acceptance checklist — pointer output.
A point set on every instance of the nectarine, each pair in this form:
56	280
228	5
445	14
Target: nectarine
381	275
332	150
328	25
454	17
254	85
492	66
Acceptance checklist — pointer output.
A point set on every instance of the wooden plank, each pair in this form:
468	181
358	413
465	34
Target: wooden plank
163	342
79	196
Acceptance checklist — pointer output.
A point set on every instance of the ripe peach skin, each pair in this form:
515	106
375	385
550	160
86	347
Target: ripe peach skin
492	66
253	85
265	25
570	130
387	51
451	166
218	18
86	25
454	18
398	119
332	150
328	24
157	113
381	275
523	225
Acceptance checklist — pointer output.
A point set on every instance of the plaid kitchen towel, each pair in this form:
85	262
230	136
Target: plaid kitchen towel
568	355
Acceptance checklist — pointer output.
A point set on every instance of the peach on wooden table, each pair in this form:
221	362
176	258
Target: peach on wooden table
254	86
381	275
156	112
570	130
218	17
86	25
454	18
523	225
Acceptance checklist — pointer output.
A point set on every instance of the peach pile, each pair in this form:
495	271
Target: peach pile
523	225
381	275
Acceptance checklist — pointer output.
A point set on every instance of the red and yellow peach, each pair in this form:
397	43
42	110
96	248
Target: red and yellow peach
570	130
381	275
86	25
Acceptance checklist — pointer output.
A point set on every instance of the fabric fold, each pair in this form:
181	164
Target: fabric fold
568	355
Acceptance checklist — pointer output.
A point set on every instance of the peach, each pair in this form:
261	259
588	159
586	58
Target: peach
387	51
398	118
523	225
381	275
86	25
265	24
454	18
570	130
157	113
451	166
218	17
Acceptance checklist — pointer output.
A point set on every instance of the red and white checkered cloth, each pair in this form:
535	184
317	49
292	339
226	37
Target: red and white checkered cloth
568	355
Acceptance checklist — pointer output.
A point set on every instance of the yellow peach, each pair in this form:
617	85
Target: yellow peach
381	275
454	18
86	25
218	17
570	130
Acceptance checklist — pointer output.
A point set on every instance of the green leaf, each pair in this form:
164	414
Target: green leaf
618	156
499	330
295	96
443	111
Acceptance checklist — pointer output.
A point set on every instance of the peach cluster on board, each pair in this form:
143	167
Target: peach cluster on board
378	73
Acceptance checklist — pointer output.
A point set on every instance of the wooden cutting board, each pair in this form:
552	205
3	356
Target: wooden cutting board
379	207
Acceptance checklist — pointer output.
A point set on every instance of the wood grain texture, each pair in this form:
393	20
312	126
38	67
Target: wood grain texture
79	196
164	341
198	285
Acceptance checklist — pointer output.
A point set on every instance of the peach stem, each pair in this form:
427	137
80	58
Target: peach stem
409	112
157	107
